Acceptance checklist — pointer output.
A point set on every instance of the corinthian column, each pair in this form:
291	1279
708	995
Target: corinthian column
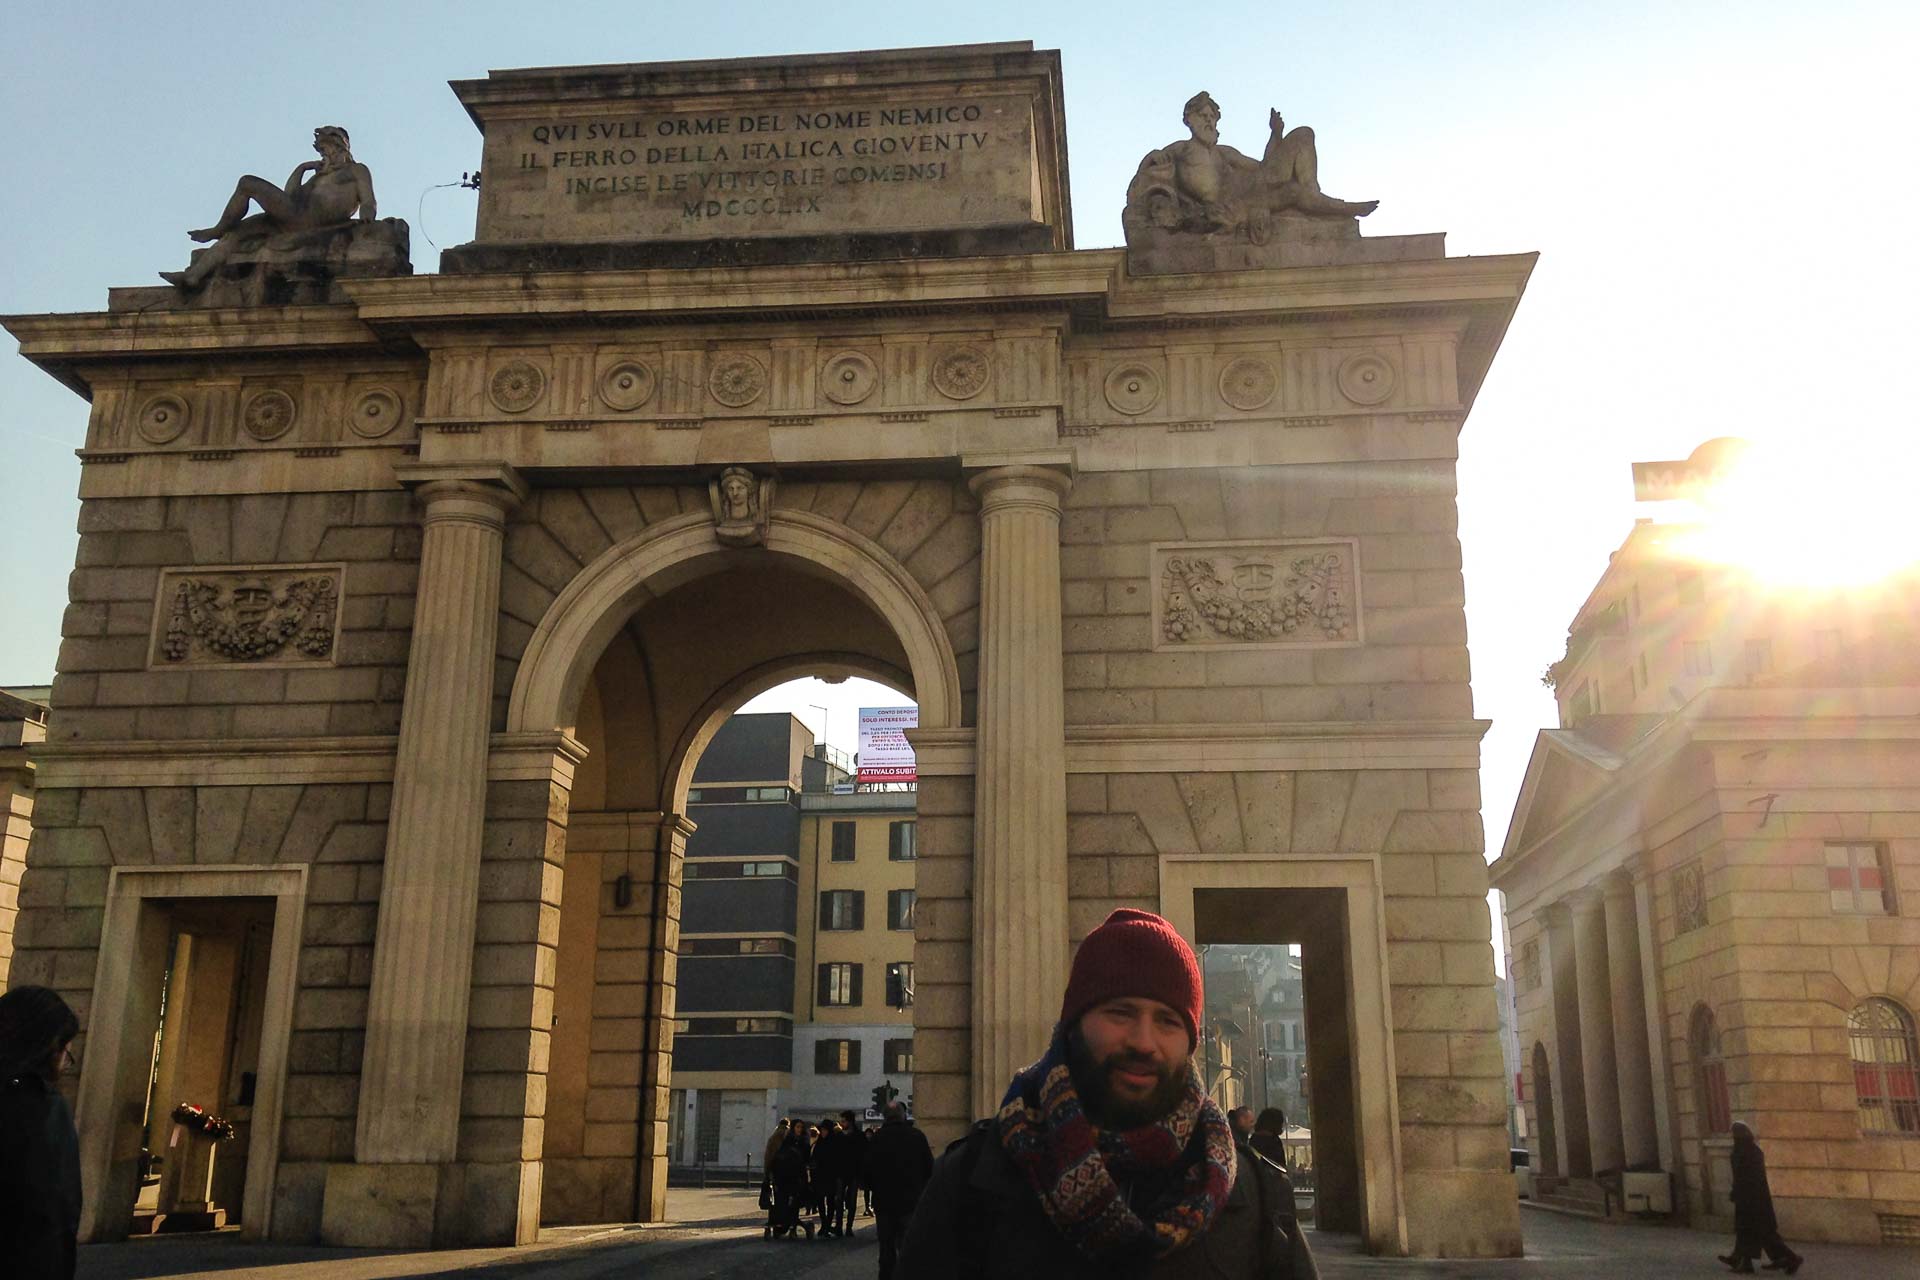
1597	1060
430	888
1639	1145
1020	779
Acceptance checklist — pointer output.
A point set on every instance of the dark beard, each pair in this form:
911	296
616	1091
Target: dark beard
1094	1079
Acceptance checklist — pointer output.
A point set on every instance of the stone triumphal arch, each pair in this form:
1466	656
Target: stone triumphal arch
404	603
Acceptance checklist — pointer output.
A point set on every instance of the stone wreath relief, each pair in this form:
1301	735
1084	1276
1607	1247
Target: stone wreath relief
250	618
1259	594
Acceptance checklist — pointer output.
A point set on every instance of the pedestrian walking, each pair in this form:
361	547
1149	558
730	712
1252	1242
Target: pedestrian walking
1270	1135
849	1166
39	1150
897	1165
1106	1155
1241	1118
772	1149
822	1172
789	1172
1755	1230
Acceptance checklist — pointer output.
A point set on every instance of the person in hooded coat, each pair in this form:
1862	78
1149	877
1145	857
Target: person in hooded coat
39	1149
1755	1231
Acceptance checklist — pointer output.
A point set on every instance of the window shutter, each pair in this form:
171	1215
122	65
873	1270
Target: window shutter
822	1063
826	909
825	973
853	1057
854	992
859	908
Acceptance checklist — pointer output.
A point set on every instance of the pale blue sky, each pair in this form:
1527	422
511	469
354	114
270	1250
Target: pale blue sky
1722	195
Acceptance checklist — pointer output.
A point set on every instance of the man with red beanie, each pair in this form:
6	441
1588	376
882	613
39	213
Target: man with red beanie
1107	1159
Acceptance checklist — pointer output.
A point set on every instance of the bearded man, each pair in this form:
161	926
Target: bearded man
1106	1158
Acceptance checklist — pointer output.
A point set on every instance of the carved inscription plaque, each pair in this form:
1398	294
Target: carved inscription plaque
248	615
922	158
1255	595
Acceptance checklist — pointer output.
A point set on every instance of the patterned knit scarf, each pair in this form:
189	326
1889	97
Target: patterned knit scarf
1075	1167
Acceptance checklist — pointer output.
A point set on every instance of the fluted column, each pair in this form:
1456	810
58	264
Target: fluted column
1569	1098
1020	796
1634	1063
429	889
1597	1062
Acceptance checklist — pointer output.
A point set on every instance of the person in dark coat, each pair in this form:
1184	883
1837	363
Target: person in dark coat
1269	1135
1755	1231
789	1173
898	1164
39	1149
823	1167
849	1164
1107	1160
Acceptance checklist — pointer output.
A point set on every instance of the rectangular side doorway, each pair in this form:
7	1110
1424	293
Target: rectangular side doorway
193	1003
1254	911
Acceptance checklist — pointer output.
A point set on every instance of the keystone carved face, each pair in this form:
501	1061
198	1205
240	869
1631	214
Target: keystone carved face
736	495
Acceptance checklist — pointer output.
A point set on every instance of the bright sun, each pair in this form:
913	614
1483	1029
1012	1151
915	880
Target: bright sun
1816	520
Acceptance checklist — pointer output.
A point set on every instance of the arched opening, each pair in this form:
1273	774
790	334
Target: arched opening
644	658
1886	1067
1547	1160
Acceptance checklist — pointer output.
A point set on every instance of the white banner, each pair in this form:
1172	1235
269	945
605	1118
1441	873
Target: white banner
885	755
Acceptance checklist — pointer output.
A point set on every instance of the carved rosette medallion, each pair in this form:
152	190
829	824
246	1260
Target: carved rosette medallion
961	373
162	419
265	616
268	415
737	380
1367	378
1255	595
377	411
517	387
626	386
1133	388
1689	897
1248	382
849	378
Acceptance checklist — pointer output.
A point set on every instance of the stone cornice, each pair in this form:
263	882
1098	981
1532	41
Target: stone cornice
1250	748
260	762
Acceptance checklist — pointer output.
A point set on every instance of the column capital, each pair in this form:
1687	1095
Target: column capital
1587	898
1554	914
1619	882
1007	479
488	482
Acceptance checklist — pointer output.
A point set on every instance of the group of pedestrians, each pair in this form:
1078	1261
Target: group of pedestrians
816	1173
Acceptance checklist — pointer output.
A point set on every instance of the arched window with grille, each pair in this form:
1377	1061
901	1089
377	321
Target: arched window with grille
1709	1074
1886	1067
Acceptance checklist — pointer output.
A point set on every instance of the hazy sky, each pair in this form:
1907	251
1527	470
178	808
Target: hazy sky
1718	192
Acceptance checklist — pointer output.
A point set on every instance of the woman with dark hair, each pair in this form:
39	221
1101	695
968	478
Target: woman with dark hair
39	1150
1754	1229
1269	1135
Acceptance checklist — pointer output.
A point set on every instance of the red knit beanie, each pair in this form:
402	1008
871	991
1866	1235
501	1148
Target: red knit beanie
1137	954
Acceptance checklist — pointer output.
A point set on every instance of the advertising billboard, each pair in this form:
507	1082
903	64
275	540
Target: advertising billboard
885	755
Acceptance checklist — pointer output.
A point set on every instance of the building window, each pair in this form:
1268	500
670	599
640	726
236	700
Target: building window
899	1056
764	869
693	795
1691	588
1697	658
840	986
1580	706
1886	1067
900	909
1714	1110
761	794
843	909
1858	882
702	869
900	841
900	985
836	1057
843	841
1759	655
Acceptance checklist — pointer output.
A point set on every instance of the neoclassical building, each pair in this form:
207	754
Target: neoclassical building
1710	886
394	592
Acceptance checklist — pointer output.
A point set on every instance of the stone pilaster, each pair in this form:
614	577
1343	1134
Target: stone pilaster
1597	1062
1569	1099
1633	1060
1020	834
411	1075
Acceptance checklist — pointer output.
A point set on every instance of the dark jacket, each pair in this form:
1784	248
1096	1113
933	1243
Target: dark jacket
39	1181
1752	1198
1270	1146
789	1168
980	1220
898	1164
850	1156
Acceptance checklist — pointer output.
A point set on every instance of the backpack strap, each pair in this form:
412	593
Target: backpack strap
974	1213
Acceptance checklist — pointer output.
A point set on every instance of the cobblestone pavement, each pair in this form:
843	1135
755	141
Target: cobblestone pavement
716	1236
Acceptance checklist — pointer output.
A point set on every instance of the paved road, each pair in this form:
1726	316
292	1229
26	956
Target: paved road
717	1237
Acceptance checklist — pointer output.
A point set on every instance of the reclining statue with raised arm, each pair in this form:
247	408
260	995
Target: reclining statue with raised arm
1201	189
307	227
